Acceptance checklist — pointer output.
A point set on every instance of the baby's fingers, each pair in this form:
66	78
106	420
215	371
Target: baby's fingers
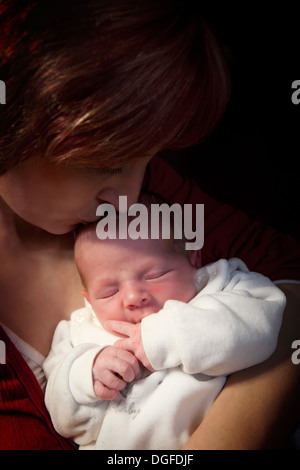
103	392
126	365
112	380
112	369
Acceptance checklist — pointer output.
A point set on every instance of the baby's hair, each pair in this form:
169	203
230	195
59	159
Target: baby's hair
83	234
176	245
87	233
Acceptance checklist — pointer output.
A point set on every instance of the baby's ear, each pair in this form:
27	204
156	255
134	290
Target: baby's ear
195	257
85	294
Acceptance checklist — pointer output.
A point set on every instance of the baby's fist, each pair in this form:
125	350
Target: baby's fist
112	369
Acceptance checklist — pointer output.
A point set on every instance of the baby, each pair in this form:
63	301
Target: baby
141	365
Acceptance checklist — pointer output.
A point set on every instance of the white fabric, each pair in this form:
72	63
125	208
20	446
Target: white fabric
232	323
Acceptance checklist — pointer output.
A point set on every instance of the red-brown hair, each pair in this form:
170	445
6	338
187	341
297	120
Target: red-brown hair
95	84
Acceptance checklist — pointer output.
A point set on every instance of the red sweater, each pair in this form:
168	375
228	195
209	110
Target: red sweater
24	421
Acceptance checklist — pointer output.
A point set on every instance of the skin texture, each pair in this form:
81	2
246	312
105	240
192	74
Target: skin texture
57	200
38	266
127	280
258	407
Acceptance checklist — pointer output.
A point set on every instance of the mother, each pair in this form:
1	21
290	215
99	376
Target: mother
96	90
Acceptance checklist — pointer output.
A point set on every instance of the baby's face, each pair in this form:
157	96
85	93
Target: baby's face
128	279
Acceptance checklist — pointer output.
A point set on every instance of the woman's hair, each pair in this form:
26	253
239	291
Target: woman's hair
97	83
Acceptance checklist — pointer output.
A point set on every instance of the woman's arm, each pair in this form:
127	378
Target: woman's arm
259	407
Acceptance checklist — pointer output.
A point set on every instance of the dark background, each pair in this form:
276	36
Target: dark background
251	160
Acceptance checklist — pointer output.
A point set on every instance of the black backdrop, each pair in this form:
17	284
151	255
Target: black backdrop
251	160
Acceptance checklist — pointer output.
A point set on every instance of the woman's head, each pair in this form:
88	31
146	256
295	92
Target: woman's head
57	199
96	84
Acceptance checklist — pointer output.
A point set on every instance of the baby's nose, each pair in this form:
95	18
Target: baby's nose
136	297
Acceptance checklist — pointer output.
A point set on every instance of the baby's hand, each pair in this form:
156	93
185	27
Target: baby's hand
133	342
109	362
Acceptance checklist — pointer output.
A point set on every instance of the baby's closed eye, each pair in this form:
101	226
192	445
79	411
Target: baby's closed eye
157	274
107	293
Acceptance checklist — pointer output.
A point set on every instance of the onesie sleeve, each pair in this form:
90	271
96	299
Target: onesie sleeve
229	233
69	395
231	324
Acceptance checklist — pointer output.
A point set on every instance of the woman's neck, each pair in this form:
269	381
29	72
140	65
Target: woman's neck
39	283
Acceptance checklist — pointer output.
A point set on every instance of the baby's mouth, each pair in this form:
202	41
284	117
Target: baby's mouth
143	314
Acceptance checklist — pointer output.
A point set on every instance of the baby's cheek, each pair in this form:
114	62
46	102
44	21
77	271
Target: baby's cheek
182	290
159	295
105	312
167	291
